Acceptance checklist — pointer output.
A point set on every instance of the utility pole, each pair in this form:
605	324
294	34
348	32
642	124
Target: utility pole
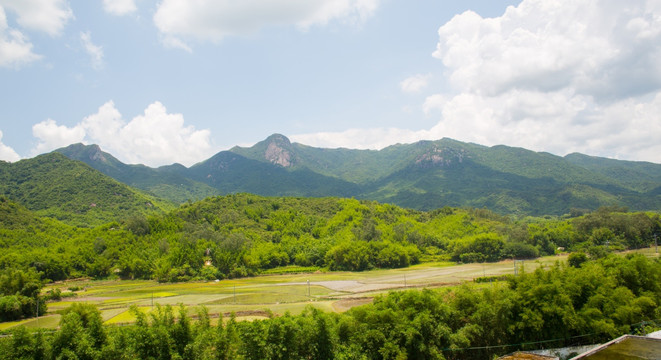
515	271
308	287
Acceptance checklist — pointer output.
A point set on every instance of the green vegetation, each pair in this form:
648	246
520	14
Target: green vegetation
61	219
52	185
556	306
20	295
241	235
425	175
166	182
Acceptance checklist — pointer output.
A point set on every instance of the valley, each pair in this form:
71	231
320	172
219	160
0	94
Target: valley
256	297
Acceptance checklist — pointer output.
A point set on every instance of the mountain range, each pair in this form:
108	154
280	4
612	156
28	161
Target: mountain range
423	175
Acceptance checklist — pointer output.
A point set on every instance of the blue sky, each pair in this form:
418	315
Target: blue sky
158	82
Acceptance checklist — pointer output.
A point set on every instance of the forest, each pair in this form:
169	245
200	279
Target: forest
595	297
243	235
586	302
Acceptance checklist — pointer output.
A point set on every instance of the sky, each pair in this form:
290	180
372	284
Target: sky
159	82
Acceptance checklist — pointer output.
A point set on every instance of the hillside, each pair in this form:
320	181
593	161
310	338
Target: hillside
425	175
166	182
54	186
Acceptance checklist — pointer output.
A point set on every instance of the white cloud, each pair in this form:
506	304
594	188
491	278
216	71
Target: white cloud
175	43
48	16
7	153
52	136
415	83
119	7
434	102
95	52
558	76
376	138
15	49
178	20
603	48
153	138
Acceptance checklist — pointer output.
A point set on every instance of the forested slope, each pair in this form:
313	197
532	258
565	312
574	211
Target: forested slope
54	186
247	234
166	182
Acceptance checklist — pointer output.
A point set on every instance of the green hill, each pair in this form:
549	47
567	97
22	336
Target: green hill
54	186
166	182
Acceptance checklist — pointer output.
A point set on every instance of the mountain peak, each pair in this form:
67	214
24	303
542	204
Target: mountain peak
275	149
278	151
83	152
278	139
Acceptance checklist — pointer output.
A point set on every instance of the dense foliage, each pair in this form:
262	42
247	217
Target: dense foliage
20	295
562	305
239	235
54	186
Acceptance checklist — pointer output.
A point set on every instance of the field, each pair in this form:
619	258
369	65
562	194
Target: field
261	296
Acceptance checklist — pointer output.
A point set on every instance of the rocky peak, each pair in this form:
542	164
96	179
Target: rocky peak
440	157
278	150
95	154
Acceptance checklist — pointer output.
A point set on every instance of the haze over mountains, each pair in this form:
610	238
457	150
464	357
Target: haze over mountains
424	175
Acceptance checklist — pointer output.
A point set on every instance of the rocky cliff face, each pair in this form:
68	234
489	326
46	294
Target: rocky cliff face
95	154
440	157
277	155
278	151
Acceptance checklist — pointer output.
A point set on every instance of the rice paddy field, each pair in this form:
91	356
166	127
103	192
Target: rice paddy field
267	295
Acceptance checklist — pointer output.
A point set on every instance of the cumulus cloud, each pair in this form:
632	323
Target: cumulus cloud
415	83
15	48
605	49
178	20
7	153
52	136
95	52
49	16
153	138
557	76
119	7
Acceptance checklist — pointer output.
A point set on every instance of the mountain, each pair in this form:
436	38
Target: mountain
423	175
230	172
446	172
166	182
639	175
55	186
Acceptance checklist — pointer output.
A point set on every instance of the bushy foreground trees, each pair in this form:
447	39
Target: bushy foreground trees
20	295
562	305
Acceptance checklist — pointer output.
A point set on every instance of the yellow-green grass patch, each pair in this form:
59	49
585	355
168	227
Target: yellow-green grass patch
126	316
49	321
